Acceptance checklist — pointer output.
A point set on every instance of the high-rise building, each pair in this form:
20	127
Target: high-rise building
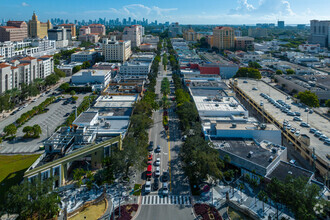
280	24
38	29
190	35
14	31
116	50
320	33
133	33
223	38
61	35
71	27
174	29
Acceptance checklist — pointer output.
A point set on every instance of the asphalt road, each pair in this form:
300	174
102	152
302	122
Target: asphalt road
158	206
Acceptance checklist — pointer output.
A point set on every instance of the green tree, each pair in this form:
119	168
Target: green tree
28	130
10	130
327	103
254	65
72	92
76	69
51	79
290	71
59	73
248	72
36	130
85	65
32	200
78	175
309	98
65	86
279	72
262	196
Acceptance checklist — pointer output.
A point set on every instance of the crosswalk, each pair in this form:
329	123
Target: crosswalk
165	200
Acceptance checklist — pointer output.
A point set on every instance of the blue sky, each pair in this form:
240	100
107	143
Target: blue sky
183	11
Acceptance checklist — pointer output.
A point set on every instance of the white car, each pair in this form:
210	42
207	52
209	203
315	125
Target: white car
147	187
34	100
157	172
26	105
165	188
157	163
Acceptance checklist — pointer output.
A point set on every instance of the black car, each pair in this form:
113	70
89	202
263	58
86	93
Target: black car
165	177
67	114
156	184
151	146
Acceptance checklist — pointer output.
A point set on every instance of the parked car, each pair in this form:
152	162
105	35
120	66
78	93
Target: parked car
304	124
297	133
151	146
158	149
26	105
165	188
157	162
147	187
34	100
297	113
292	161
311	111
150	157
296	118
306	109
261	103
164	177
317	134
156	184
323	137
255	88
312	130
149	171
157	172
290	113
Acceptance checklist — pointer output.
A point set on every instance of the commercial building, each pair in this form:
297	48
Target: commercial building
244	43
190	35
37	29
67	68
150	39
257	32
280	24
320	32
100	77
223	38
71	27
24	70
93	38
61	35
116	50
135	68
310	48
83	56
133	33
14	31
97	29
174	29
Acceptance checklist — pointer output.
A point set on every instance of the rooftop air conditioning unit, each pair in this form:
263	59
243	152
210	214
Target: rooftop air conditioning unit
250	154
270	159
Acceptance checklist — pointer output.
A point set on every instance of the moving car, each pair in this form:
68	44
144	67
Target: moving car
149	171
151	146
157	172
158	149
156	183
165	189
157	163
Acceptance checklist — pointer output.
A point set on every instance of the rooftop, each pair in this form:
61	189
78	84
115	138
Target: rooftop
284	169
220	104
238	126
85	117
92	72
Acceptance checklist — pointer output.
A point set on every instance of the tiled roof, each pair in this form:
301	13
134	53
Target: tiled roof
13	67
23	64
3	65
28	58
8	27
46	56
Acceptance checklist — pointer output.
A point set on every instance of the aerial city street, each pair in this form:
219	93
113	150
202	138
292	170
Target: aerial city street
154	111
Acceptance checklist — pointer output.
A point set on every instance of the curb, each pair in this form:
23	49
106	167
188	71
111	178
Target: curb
139	209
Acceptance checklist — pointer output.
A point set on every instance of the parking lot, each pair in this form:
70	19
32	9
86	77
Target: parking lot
253	89
48	122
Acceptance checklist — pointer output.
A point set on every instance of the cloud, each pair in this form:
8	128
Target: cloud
136	11
265	7
24	4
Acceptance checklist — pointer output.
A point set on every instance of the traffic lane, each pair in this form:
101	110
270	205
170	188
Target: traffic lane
165	212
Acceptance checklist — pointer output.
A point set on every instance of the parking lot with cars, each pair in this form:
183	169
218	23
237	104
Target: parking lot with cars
295	117
56	114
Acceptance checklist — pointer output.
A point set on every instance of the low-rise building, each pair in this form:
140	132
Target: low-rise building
135	68
67	68
100	77
310	48
83	56
244	43
93	37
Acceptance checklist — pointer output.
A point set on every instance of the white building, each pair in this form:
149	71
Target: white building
150	39
114	50
256	56
310	48
34	48
100	77
133	33
135	68
83	56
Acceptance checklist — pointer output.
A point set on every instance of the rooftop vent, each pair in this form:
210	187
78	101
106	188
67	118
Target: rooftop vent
250	154
274	150
271	158
290	172
234	125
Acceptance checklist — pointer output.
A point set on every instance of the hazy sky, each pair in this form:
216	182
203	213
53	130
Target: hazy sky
183	11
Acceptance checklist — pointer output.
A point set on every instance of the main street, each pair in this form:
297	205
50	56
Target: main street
177	205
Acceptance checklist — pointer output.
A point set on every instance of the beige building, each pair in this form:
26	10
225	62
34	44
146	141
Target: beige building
190	35
14	31
38	29
244	43
97	29
134	34
116	50
223	38
71	27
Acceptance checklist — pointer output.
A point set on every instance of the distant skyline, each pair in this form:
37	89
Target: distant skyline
183	11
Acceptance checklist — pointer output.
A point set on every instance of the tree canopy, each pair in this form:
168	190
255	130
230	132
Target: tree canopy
254	65
290	72
248	72
309	98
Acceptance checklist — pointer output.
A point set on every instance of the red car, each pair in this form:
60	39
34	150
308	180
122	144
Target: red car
149	171
149	157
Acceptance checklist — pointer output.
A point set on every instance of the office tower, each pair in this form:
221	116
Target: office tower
320	33
280	24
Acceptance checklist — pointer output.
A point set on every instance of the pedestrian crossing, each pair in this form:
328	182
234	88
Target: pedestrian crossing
166	200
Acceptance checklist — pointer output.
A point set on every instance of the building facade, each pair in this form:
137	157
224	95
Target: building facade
257	32
83	56
320	31
190	35
61	35
37	29
134	34
116	50
14	31
135	68
223	38
97	29
71	27
244	43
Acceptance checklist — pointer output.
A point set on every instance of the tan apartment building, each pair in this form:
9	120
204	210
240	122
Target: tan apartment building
223	38
14	31
116	50
38	29
71	27
244	43
190	35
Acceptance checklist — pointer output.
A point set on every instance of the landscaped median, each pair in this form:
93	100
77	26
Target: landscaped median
207	212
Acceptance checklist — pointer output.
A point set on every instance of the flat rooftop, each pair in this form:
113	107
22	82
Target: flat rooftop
284	169
315	120
229	126
207	92
85	117
204	103
242	148
113	111
92	72
116	101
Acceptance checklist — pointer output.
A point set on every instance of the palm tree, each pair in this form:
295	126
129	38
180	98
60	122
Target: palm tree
262	196
40	83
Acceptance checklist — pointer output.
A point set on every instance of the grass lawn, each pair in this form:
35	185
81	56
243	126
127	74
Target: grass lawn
12	170
235	215
91	212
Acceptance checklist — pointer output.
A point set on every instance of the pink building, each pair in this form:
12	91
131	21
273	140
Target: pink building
84	30
97	29
14	31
